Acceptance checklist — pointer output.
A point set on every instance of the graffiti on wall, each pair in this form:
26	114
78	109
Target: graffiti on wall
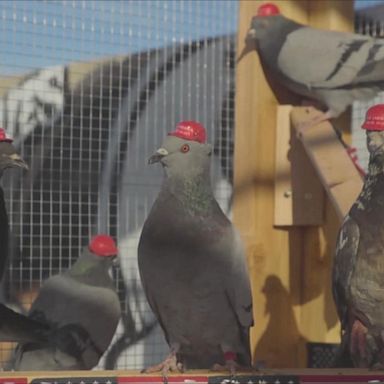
37	99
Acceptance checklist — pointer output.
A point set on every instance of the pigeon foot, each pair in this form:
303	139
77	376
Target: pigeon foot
358	338
308	124
377	367
170	364
230	366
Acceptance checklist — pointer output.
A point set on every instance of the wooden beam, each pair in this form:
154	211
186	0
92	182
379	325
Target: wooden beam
334	167
303	376
290	269
267	248
330	14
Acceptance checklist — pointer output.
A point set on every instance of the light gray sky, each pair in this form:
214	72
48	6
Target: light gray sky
36	33
42	33
366	3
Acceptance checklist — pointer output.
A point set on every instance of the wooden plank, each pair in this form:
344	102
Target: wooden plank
283	181
299	195
192	376
330	14
334	167
289	269
267	248
345	194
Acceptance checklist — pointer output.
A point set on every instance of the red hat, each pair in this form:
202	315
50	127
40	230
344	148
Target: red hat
3	136
374	118
103	245
268	9
190	130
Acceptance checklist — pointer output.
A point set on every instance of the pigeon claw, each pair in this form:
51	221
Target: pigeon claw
170	364
358	338
378	366
229	366
303	126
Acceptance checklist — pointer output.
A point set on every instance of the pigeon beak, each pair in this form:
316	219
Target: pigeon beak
157	156
249	44
15	160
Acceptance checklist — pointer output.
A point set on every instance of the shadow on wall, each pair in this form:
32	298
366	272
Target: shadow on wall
311	267
281	343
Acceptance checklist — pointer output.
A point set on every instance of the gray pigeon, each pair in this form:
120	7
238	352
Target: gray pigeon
81	302
192	264
333	68
358	271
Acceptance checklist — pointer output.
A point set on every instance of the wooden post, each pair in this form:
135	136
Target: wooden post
299	194
289	268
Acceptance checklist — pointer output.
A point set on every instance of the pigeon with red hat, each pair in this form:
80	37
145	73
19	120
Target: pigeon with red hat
358	270
330	67
192	264
81	302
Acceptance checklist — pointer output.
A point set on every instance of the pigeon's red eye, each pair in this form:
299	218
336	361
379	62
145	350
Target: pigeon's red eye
184	148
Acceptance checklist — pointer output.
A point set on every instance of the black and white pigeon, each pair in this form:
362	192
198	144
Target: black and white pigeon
13	326
82	303
192	263
16	327
9	158
358	270
330	67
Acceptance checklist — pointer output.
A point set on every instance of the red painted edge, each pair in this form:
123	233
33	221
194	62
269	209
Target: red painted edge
339	378
13	380
160	379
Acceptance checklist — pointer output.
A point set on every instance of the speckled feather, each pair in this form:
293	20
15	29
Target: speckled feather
358	271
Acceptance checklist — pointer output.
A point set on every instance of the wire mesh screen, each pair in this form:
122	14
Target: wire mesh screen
368	21
88	91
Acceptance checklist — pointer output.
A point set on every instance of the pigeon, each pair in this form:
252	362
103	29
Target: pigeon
13	326
192	263
358	269
330	67
82	303
16	327
9	158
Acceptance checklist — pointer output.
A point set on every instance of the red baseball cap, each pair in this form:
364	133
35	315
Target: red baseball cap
268	9
374	118
3	136
190	130
103	245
